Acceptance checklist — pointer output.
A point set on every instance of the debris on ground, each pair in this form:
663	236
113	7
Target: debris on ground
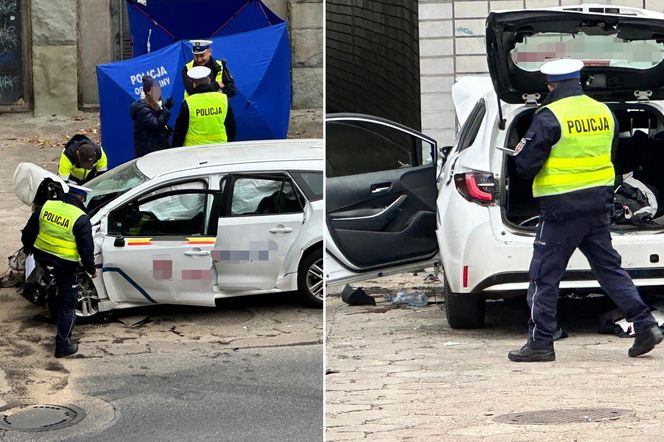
412	299
357	296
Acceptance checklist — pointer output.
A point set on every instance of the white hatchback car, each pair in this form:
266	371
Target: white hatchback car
392	206
194	224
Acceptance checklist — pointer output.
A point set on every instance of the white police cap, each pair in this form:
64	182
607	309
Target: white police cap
200	46
563	69
198	72
78	190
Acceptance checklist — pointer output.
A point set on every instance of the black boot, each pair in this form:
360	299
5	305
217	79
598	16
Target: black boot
69	349
528	354
645	341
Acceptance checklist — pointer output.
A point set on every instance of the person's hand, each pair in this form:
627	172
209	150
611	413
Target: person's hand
93	275
221	84
169	103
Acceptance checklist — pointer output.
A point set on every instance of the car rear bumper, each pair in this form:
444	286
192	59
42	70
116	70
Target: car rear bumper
491	264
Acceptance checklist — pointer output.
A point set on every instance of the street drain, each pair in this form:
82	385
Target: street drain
561	416
218	317
40	417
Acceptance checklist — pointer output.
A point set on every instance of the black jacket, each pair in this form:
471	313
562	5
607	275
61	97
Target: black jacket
226	78
150	133
543	133
70	150
182	122
82	232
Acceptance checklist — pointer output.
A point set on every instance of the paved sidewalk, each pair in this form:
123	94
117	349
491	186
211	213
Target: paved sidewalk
403	374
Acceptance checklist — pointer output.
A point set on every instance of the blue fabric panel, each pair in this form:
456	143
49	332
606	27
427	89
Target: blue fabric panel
260	64
144	30
254	15
173	20
259	61
120	84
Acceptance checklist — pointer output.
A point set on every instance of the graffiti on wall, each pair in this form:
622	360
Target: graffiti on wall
10	52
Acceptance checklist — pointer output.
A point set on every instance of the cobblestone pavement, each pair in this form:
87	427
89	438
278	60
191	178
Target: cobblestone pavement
28	371
397	373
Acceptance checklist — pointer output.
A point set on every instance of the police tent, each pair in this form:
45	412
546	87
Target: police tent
155	24
259	60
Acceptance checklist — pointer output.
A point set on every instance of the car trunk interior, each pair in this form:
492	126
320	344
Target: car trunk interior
640	149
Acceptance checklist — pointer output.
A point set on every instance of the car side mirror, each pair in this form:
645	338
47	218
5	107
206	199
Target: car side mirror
119	241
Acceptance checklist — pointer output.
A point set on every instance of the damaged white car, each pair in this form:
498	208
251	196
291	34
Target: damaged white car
195	224
396	203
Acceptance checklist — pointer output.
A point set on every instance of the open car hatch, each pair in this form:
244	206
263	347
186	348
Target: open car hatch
622	49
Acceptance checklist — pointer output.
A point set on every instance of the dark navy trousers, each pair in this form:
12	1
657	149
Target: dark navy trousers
67	282
554	244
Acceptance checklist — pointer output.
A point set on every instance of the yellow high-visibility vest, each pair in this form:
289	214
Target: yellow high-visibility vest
581	159
56	230
217	78
67	168
207	113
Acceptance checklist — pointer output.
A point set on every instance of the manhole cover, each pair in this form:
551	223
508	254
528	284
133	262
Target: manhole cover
218	317
40	417
561	416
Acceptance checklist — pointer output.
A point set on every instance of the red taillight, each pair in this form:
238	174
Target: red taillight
475	187
465	277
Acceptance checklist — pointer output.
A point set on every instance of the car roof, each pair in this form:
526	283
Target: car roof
242	152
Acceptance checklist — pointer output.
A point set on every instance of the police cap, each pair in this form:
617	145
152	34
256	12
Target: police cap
563	69
78	190
198	72
200	46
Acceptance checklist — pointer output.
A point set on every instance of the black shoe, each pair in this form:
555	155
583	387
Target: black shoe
645	341
70	349
527	354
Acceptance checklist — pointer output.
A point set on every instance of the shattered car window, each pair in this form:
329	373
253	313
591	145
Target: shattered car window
106	187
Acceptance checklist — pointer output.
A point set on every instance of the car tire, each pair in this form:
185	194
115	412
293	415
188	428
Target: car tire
463	310
87	305
310	278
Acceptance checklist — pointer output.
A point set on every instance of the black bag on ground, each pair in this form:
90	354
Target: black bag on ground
357	296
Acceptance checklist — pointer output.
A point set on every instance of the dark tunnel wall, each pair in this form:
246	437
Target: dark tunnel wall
372	59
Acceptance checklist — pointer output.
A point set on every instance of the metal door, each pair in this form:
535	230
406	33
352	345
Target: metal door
11	56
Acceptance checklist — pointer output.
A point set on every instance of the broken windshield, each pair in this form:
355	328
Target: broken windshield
106	187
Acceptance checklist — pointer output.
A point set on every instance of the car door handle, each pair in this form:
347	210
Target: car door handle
281	229
197	253
382	187
383	212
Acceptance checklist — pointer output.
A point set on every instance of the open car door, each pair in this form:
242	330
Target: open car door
380	197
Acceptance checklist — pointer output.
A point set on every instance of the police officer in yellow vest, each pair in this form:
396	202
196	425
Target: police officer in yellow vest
567	150
60	236
220	77
205	116
81	160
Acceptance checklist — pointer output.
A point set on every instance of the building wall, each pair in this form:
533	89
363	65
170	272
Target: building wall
452	45
373	63
94	36
305	19
54	57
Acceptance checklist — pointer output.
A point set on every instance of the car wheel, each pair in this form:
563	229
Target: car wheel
463	310
87	301
310	278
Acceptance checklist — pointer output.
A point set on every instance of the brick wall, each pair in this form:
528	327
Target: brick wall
452	45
